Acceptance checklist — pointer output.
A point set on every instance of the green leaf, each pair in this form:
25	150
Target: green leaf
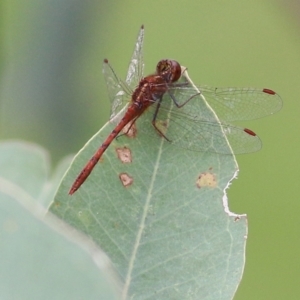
41	257
27	166
157	210
161	215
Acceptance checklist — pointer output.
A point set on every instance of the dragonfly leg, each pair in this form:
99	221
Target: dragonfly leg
181	84
179	105
154	121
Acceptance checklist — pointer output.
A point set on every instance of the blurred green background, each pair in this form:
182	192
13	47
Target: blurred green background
52	92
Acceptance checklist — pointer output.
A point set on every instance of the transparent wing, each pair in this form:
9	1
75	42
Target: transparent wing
136	66
119	92
233	104
196	134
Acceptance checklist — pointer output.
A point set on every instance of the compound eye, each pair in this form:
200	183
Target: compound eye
176	70
169	69
162	67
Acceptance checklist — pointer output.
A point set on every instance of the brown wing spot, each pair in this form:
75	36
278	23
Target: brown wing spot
130	130
206	179
126	179
249	131
124	155
268	91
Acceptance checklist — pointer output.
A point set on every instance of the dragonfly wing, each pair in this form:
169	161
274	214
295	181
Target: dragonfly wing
118	91
235	104
215	137
136	66
193	133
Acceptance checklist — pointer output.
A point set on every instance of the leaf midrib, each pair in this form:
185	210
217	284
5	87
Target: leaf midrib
142	222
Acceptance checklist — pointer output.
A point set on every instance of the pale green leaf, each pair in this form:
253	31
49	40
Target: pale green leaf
169	234
40	257
27	165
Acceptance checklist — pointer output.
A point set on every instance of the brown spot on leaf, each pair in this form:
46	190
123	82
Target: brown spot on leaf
56	204
130	130
126	179
124	155
206	179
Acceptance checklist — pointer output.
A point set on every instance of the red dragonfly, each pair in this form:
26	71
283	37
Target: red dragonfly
180	112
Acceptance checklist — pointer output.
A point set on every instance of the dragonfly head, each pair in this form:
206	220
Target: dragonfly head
169	69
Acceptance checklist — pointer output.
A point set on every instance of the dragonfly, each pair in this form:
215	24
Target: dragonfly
189	116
